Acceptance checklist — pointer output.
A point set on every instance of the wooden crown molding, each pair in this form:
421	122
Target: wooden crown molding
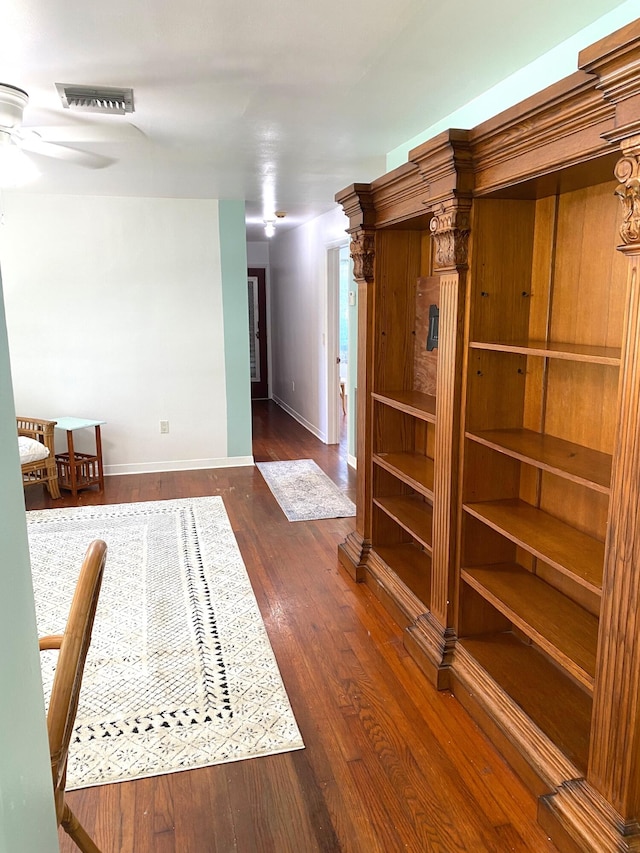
357	203
439	169
398	195
445	166
437	183
615	60
560	127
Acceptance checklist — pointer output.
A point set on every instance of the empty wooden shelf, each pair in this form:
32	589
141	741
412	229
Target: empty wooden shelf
561	628
565	458
567	549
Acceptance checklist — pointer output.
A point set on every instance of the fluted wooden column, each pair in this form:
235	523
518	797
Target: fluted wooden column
356	201
450	230
614	766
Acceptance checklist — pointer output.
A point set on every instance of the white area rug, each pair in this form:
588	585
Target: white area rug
304	491
180	673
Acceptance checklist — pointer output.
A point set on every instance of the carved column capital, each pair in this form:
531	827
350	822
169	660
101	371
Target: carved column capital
450	228
363	253
627	171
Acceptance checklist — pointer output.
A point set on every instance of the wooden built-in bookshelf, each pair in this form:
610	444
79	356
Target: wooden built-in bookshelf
498	469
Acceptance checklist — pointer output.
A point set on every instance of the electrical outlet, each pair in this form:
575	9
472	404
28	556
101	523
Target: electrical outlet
293	385
164	427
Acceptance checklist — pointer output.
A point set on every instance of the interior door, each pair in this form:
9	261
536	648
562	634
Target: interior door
257	290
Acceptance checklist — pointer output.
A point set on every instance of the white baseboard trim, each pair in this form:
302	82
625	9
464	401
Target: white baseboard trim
312	429
352	461
177	465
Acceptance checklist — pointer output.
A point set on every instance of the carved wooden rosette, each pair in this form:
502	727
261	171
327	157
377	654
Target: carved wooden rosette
363	253
627	171
450	231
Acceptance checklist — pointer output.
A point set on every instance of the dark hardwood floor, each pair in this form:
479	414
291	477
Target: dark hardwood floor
390	764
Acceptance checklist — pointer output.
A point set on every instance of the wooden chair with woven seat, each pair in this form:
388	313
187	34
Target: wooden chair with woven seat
73	646
39	467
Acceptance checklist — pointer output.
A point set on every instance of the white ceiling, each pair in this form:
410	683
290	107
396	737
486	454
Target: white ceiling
282	103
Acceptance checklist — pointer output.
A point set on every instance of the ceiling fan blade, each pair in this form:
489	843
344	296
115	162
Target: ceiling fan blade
93	132
36	145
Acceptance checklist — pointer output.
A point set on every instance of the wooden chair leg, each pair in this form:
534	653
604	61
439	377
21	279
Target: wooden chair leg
75	830
53	487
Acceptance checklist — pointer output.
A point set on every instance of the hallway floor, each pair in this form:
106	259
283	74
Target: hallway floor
390	764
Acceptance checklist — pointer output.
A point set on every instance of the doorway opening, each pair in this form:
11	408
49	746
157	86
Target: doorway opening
341	347
257	292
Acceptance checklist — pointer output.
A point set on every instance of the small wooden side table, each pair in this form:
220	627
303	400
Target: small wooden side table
79	470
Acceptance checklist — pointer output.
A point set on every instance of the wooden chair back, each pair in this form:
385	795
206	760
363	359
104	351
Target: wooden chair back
43	471
65	692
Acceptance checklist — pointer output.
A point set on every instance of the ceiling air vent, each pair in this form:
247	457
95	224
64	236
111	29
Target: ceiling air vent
95	99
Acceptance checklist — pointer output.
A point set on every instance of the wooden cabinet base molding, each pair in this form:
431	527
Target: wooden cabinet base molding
542	765
428	643
431	646
578	819
352	554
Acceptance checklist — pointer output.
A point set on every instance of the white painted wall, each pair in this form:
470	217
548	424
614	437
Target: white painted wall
114	311
298	263
258	254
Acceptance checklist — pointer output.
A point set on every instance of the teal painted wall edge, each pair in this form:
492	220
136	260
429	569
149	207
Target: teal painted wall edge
27	817
233	266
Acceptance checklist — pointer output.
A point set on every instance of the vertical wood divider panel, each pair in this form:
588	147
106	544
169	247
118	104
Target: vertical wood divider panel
452	289
615	751
448	172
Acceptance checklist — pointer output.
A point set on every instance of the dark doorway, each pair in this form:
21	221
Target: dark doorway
257	290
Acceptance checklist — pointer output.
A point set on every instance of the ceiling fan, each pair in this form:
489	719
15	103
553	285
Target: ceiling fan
47	140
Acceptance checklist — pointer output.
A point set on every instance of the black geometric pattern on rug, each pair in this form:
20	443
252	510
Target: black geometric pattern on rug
213	672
